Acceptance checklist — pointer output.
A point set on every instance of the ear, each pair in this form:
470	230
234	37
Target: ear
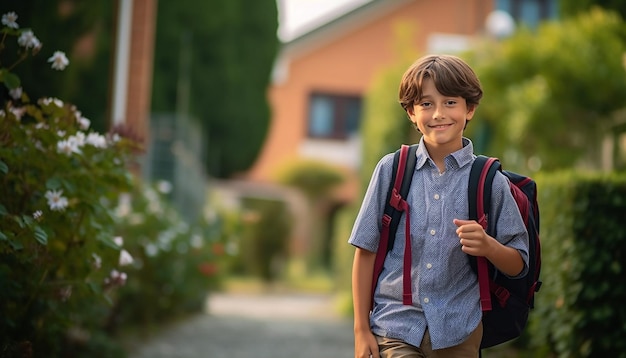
410	113
410	110
471	109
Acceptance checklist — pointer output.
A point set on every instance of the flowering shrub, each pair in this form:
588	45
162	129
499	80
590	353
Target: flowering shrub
175	263
84	245
59	253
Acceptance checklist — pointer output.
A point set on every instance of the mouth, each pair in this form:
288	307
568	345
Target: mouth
441	126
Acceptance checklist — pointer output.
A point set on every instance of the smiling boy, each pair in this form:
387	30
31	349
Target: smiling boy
440	94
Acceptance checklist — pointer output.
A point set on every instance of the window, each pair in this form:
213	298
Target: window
333	116
529	12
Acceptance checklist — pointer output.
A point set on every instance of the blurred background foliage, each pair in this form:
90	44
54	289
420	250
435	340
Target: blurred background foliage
230	44
579	310
176	263
554	93
84	31
73	313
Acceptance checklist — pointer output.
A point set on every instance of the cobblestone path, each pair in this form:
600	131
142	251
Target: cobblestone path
256	326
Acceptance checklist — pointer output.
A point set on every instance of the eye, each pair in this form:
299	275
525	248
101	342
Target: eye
450	102
425	104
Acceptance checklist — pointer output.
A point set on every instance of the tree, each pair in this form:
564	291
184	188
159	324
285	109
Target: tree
552	95
231	46
574	7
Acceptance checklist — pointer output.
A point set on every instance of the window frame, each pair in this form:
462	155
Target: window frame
341	105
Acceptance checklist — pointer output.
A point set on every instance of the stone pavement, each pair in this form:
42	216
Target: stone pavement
256	326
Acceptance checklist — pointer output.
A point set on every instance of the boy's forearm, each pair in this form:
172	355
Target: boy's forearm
362	272
506	259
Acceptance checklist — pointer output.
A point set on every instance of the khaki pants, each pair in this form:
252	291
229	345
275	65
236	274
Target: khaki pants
395	348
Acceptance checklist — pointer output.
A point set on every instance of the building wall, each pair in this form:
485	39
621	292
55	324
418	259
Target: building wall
139	81
344	60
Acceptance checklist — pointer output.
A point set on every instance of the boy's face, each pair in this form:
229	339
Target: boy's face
441	119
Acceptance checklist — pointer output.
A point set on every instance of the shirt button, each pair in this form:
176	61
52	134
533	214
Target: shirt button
436	196
426	300
429	266
432	232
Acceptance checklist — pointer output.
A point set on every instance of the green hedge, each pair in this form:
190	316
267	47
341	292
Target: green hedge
579	310
264	238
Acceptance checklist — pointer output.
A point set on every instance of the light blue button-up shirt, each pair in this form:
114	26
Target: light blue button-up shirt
446	298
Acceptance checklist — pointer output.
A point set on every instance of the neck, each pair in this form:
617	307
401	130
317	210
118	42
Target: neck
438	153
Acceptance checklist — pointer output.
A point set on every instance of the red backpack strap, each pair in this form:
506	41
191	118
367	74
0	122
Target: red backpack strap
481	178
393	208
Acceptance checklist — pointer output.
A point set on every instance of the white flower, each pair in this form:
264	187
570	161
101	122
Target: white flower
18	112
164	187
119	241
197	241
10	20
125	258
124	205
84	123
37	215
47	101
59	60
78	139
27	39
97	140
68	147
97	261
115	278
56	201
151	250
16	93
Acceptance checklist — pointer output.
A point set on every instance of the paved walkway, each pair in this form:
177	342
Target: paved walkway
257	326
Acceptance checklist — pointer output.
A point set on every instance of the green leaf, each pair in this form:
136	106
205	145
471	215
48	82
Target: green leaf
11	80
53	183
108	241
3	210
16	245
4	168
94	287
41	236
19	221
28	220
3	237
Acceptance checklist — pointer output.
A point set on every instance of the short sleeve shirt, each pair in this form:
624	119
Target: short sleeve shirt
446	297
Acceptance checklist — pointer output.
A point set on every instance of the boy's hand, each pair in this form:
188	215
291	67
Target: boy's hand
474	240
365	345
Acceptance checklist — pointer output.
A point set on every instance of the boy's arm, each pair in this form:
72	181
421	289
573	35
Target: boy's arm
475	241
365	344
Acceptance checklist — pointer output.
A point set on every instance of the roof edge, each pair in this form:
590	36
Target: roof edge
342	24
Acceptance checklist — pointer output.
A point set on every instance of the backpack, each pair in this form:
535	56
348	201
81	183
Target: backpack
506	319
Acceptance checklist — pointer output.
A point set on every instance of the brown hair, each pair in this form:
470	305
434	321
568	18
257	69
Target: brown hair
451	75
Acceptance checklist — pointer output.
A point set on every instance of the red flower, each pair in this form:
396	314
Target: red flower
207	268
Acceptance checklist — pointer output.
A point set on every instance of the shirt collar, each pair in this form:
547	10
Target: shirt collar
457	159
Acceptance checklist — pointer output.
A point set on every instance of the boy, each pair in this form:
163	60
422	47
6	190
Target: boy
440	95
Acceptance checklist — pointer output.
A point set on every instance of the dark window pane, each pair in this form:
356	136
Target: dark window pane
333	116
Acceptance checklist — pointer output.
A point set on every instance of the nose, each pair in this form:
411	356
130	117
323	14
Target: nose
438	113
